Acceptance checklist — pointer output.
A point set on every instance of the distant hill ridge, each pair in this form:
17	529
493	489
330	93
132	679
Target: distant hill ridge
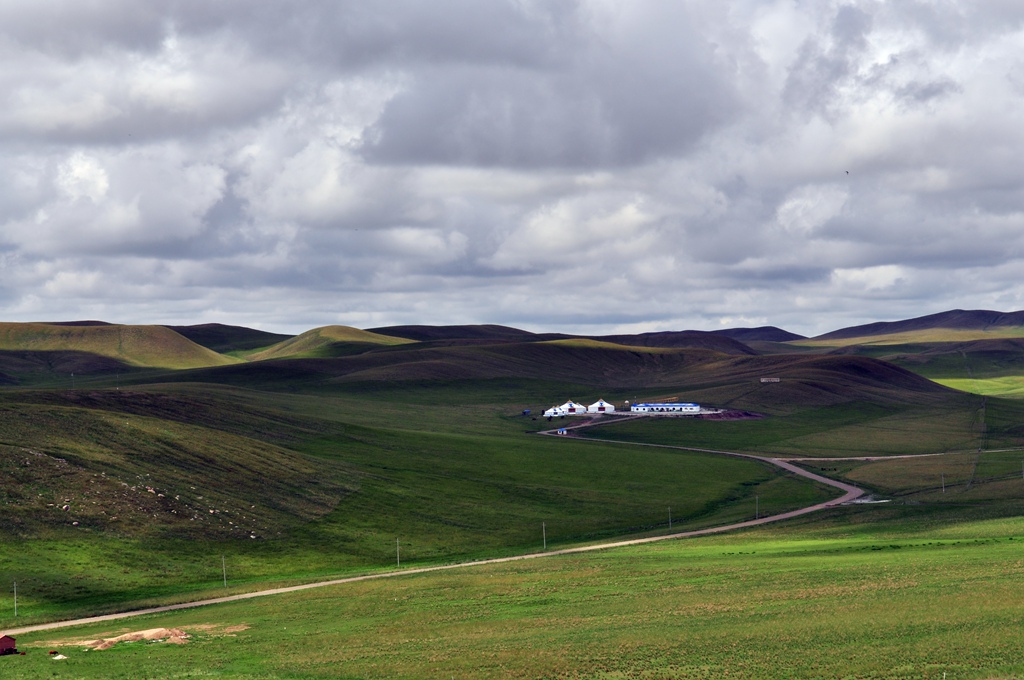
759	334
680	340
480	334
422	333
957	319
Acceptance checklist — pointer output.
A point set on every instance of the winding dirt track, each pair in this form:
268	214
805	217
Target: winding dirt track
850	493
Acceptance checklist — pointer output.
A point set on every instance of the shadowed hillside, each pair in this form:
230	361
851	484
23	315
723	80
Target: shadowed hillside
222	338
469	332
18	366
681	339
715	377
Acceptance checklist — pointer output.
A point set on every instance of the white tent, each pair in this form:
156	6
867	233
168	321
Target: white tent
601	406
554	412
571	408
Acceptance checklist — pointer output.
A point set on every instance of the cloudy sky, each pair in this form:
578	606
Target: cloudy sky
578	165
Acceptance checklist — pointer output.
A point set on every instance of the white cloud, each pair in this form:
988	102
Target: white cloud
83	176
458	162
807	208
869	278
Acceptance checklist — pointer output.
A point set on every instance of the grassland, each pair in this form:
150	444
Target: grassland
163	480
1010	386
132	488
854	429
858	596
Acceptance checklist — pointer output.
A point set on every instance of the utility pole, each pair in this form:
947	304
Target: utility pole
544	531
943	482
398	554
224	570
15	599
670	517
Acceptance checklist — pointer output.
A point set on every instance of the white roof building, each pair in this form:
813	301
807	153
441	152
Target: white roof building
601	406
671	407
554	412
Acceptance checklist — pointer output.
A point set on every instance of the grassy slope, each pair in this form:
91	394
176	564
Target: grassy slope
325	342
861	596
149	346
440	461
325	484
988	366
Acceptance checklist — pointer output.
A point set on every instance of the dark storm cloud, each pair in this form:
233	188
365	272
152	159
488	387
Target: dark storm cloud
295	164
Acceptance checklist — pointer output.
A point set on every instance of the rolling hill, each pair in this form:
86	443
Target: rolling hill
956	325
312	457
137	346
327	341
699	374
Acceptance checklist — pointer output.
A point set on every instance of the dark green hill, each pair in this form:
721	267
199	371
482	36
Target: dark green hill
222	338
759	334
682	340
18	367
715	377
958	319
421	333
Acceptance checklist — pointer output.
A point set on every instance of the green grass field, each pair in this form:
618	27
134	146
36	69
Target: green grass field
853	429
136	486
854	596
164	480
1010	386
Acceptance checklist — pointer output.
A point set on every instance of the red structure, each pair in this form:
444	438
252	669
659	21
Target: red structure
7	645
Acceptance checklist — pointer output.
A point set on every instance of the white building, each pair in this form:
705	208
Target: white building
601	406
673	407
554	412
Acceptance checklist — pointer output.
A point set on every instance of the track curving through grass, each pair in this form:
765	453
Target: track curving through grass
850	493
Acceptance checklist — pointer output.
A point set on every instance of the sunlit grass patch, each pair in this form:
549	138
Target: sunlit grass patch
1011	386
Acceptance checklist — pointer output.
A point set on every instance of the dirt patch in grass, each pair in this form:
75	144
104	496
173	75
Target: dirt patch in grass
174	636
